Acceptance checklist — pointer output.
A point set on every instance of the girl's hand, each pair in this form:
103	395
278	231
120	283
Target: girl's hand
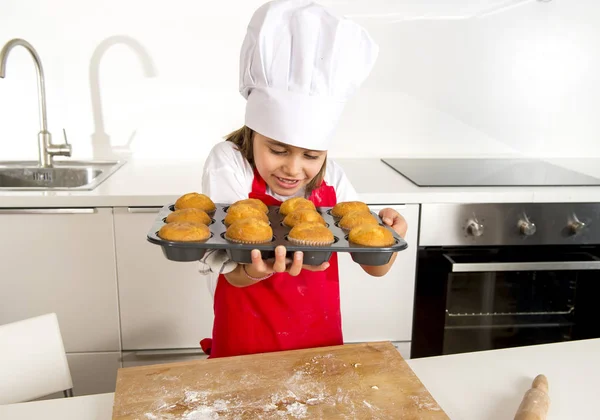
395	220
261	268
392	218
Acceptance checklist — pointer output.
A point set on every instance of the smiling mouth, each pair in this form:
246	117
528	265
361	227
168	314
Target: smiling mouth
288	181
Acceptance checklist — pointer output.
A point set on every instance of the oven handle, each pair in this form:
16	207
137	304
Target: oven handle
523	266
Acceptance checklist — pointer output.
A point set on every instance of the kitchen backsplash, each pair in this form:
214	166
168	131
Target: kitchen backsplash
157	80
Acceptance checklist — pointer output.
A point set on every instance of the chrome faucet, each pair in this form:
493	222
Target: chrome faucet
46	149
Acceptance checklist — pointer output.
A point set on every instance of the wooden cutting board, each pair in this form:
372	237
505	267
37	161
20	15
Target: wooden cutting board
354	381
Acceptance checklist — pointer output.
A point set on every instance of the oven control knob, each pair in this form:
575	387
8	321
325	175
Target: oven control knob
575	227
527	227
474	228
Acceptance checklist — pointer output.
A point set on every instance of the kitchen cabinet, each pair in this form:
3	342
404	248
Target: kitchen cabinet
163	304
62	261
404	348
92	373
381	308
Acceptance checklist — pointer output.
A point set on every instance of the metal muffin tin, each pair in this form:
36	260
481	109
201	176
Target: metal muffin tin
313	255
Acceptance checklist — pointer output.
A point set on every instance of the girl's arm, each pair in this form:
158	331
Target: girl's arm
395	220
238	278
379	270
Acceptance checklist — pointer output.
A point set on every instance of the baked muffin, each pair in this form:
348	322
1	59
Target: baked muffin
189	215
244	211
249	231
356	218
195	200
303	215
184	232
371	235
345	207
254	202
296	203
311	234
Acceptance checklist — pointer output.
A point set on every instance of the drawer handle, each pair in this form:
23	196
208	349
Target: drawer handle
176	352
49	211
495	267
378	207
143	209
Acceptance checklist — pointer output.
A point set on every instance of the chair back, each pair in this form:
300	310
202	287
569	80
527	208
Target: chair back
33	362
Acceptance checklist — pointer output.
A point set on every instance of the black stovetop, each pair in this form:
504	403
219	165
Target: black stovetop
447	172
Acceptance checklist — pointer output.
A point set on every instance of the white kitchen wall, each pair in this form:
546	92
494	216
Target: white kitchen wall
157	80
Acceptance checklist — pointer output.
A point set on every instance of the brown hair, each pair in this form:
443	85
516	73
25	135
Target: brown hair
243	139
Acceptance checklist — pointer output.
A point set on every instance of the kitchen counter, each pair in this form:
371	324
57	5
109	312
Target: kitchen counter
489	385
472	386
155	183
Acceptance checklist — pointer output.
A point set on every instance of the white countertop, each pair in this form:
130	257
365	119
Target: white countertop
472	386
156	183
490	385
88	407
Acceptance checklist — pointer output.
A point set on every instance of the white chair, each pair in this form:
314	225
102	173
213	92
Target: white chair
33	362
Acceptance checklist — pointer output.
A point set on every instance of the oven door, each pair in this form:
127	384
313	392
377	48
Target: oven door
483	299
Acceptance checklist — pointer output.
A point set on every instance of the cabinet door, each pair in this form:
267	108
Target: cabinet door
163	304
63	261
381	308
404	348
92	373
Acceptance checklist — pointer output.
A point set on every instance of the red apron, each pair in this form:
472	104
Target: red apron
282	312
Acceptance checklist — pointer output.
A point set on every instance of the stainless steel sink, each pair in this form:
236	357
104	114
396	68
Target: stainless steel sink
64	175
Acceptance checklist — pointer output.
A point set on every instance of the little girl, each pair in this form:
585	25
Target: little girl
299	65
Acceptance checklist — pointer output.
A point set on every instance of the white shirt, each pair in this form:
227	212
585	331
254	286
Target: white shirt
227	177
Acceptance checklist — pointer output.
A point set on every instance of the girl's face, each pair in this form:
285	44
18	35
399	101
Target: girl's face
286	169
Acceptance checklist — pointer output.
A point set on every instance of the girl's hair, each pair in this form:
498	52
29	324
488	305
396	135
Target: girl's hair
243	139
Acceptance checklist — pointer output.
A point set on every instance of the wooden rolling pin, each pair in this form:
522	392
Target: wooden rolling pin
535	402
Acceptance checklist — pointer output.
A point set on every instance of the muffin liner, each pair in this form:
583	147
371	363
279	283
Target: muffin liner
315	252
309	243
188	241
369	246
238	241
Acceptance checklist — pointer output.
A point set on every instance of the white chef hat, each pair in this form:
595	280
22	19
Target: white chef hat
299	64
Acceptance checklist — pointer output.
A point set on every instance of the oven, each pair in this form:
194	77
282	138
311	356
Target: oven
493	276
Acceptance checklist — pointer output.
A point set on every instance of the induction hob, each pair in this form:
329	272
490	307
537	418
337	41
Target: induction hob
447	172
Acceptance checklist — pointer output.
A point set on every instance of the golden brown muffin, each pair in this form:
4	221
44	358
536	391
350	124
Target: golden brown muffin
311	234
303	215
244	211
296	203
189	215
356	218
371	235
249	231
195	200
345	207
254	202
184	232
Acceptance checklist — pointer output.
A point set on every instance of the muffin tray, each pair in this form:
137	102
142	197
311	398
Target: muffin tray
313	255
